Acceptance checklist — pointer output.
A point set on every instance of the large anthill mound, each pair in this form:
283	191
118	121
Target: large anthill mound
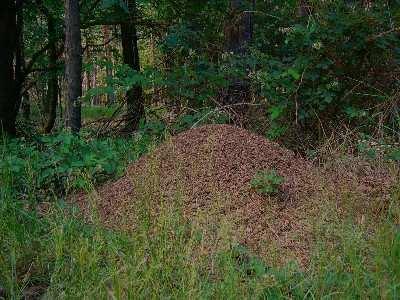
209	170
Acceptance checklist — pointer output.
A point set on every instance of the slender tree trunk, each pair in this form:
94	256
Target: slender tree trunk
108	57
95	99
304	8
130	53
26	106
239	31
52	84
88	81
238	35
19	56
22	97
8	99
73	64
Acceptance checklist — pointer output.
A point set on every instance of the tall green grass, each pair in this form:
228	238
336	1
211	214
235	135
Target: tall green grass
59	256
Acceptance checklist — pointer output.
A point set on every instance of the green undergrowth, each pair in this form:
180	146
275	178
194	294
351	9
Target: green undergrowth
92	113
57	256
61	257
47	166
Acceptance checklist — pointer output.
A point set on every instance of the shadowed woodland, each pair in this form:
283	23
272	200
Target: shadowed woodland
199	149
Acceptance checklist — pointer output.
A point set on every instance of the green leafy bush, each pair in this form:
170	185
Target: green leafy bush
267	182
65	161
338	64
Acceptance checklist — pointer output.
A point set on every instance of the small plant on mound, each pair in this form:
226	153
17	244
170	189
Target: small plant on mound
267	182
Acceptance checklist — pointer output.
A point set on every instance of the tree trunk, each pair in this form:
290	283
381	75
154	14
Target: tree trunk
239	32
51	102
304	8
238	35
95	98
8	99
87	79
108	57
19	56
73	64
26	106
130	53
22	97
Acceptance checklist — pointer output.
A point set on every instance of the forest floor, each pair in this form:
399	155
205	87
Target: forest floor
185	221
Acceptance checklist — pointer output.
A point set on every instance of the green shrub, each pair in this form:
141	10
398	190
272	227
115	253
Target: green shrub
338	64
267	182
58	163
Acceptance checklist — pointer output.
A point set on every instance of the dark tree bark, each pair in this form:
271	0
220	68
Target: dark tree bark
22	97
26	106
73	64
239	32
238	35
95	98
19	56
304	8
87	80
130	53
8	98
108	56
51	101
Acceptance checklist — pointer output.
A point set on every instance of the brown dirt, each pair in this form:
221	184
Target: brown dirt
210	168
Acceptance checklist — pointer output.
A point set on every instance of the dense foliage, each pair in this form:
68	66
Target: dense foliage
336	65
339	65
